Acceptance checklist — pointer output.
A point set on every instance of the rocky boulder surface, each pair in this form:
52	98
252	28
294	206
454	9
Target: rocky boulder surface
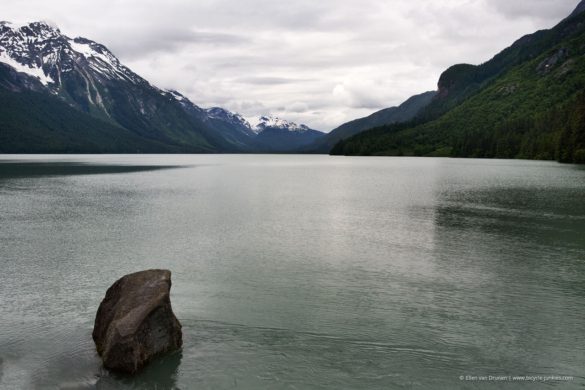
135	321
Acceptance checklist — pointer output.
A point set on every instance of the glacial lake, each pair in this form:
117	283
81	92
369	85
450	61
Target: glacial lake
299	272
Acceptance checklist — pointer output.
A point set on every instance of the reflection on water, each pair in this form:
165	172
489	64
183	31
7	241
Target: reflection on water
161	374
16	169
518	270
298	271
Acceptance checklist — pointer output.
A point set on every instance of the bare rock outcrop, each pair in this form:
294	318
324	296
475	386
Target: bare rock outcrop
135	321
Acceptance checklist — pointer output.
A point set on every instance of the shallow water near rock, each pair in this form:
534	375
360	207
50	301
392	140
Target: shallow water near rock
299	272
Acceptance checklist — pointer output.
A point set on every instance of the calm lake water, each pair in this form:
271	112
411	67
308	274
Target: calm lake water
299	272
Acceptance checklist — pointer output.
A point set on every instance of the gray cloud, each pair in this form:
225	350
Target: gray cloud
317	62
542	9
139	43
297	107
267	80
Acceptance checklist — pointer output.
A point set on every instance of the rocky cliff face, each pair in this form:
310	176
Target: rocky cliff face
454	78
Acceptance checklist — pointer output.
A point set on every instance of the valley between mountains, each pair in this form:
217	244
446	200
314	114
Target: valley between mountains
73	95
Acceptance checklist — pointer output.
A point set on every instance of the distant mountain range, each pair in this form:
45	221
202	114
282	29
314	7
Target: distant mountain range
61	95
526	102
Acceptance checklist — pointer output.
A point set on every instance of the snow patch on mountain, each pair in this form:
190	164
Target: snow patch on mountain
177	95
227	116
82	48
101	59
31	71
273	122
85	48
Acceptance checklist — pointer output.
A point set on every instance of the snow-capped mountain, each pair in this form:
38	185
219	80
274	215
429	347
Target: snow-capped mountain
86	76
49	78
279	135
39	50
274	122
262	134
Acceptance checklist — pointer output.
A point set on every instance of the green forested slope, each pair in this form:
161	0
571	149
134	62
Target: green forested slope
527	102
32	122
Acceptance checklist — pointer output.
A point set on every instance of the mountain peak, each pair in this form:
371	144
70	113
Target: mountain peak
225	115
39	27
40	50
44	24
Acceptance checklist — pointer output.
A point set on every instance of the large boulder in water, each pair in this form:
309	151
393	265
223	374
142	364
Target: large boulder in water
135	321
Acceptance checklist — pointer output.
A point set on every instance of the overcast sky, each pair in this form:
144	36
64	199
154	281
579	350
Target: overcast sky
316	62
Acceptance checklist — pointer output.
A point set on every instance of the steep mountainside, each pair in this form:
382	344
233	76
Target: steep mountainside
88	77
403	113
527	102
49	125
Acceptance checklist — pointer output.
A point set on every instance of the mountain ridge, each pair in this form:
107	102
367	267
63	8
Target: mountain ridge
85	75
398	114
578	10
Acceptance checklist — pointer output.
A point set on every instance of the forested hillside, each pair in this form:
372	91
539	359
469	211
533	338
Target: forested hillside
527	102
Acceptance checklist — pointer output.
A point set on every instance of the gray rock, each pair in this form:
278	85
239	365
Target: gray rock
135	321
549	63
